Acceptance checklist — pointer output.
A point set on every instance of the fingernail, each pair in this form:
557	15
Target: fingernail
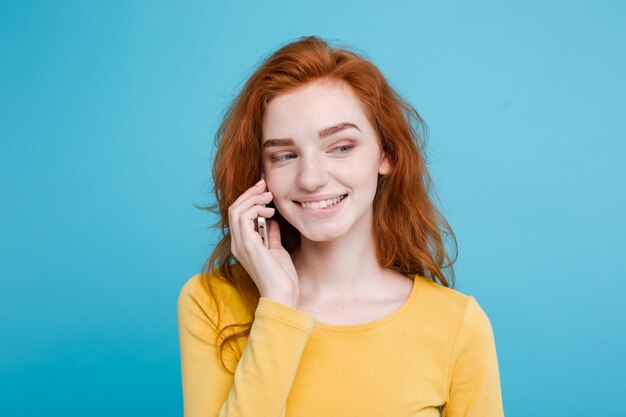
260	182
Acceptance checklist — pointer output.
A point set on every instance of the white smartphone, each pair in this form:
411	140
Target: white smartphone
262	223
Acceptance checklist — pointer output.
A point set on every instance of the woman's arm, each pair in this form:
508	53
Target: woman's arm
267	367
474	375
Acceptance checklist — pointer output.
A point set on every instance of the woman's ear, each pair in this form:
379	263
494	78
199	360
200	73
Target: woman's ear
384	168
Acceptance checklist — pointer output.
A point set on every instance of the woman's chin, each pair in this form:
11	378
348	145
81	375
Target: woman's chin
326	233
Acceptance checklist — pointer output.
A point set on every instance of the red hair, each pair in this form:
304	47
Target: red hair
410	231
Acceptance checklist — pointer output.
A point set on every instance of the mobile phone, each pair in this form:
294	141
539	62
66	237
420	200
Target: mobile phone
262	223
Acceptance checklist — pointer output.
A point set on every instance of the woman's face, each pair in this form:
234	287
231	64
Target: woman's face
322	159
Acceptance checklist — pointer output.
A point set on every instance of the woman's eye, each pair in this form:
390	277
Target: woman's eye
343	148
282	157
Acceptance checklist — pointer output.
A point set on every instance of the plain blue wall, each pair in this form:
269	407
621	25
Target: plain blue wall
107	116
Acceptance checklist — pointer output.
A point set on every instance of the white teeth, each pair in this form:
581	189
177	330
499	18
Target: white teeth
314	205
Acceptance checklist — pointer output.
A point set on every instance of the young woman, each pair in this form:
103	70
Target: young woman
346	311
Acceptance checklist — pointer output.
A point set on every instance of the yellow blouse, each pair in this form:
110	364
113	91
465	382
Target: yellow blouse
434	356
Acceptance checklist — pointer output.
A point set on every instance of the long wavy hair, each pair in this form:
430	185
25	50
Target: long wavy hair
410	231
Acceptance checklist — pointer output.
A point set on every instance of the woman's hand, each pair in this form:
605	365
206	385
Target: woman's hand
271	270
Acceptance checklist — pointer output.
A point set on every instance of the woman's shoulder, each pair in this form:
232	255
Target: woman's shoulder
440	294
450	304
208	292
198	285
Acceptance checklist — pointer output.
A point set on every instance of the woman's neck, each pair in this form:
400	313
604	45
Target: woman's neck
344	268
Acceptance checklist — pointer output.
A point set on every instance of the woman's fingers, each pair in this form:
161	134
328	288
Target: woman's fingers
274	234
242	216
235	211
257	188
266	211
272	271
246	227
254	198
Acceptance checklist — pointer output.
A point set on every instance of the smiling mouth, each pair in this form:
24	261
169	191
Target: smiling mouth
316	205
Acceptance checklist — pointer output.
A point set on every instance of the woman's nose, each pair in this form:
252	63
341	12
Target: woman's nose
312	174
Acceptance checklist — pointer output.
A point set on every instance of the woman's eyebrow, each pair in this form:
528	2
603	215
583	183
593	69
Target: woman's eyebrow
322	134
337	128
277	142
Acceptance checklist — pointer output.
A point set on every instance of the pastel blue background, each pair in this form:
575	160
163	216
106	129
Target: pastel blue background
107	116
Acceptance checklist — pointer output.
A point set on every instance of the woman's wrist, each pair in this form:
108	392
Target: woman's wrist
286	299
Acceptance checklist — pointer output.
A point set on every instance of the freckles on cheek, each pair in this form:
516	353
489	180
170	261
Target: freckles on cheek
280	192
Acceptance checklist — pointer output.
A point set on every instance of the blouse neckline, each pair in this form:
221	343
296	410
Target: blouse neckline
356	328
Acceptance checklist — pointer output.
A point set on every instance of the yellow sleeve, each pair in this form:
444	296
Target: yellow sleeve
474	376
267	367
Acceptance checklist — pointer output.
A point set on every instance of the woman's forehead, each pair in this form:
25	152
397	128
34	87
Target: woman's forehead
313	108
